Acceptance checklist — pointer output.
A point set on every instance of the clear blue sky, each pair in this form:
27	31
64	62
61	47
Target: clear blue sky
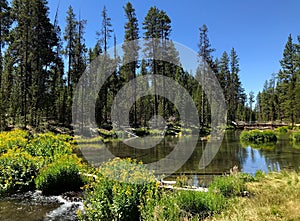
257	29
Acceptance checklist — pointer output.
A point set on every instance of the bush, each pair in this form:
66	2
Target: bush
17	171
50	146
60	176
119	192
11	139
228	185
257	136
107	133
283	129
141	132
295	136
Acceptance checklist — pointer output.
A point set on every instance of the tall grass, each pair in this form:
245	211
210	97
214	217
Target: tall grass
275	196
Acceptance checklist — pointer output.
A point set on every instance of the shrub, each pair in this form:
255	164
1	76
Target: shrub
141	132
295	136
17	171
60	176
228	185
107	133
283	129
257	136
50	146
119	192
14	138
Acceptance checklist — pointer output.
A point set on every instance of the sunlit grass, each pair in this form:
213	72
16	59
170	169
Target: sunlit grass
275	196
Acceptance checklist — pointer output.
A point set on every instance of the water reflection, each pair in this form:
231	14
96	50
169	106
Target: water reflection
249	159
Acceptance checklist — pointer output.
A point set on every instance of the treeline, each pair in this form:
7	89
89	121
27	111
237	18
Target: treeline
41	64
280	98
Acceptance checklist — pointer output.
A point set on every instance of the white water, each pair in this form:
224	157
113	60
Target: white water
67	210
33	206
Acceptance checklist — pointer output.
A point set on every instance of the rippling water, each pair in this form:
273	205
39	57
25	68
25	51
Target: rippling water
33	206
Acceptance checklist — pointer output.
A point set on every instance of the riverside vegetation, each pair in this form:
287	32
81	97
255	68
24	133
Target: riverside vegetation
268	138
123	189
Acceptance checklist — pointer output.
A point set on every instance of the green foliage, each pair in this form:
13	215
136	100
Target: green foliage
162	206
106	133
257	136
23	155
93	140
183	205
60	176
259	174
280	98
283	129
49	146
295	136
201	203
119	192
14	138
229	186
127	170
181	181
17	171
141	132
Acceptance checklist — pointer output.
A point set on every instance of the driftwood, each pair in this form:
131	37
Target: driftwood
171	186
163	184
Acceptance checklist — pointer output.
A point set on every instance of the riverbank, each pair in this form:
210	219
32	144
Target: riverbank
47	162
275	196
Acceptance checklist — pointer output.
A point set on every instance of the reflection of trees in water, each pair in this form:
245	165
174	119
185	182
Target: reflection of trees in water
230	154
283	156
150	155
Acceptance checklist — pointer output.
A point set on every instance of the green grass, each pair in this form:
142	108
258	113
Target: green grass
258	136
275	196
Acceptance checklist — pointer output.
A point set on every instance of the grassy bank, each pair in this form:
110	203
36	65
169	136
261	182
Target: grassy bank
125	189
275	196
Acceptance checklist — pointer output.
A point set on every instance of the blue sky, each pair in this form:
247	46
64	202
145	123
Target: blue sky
257	29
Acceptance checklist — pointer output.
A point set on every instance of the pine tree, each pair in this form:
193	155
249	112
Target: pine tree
206	63
151	35
251	101
56	82
131	49
234	85
31	44
287	82
5	24
297	86
104	35
165	31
